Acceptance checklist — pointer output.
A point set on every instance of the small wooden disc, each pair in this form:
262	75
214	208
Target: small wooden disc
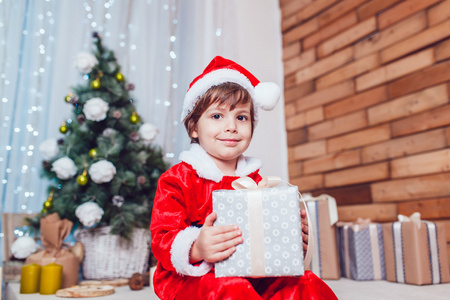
112	282
85	291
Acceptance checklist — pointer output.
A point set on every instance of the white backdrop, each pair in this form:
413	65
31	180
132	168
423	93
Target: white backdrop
161	45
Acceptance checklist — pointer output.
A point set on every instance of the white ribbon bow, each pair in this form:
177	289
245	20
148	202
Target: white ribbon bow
244	183
415	218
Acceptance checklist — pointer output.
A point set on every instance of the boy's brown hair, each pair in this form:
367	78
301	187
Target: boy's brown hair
229	94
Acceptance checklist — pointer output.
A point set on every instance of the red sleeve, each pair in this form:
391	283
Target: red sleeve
172	235
168	218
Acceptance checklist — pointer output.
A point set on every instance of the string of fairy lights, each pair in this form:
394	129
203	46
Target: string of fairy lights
30	42
25	83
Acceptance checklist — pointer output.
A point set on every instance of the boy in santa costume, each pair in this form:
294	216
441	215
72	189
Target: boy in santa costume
220	111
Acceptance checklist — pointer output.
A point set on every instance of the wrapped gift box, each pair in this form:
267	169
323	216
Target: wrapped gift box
416	251
12	271
271	228
361	250
323	214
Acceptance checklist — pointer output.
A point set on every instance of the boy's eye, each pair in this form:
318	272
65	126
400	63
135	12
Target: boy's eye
242	118
216	116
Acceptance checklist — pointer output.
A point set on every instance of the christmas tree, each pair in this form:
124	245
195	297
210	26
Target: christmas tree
105	169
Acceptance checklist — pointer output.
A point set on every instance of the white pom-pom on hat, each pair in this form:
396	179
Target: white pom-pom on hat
220	70
265	93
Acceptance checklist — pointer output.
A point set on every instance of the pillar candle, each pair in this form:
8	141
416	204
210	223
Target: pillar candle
51	279
29	279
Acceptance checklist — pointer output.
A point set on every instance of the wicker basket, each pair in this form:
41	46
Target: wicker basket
108	256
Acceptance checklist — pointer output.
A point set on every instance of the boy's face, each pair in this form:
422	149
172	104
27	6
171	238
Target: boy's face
223	133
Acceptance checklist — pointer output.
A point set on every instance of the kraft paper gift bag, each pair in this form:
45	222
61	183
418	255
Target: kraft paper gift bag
53	232
361	250
415	251
271	228
323	214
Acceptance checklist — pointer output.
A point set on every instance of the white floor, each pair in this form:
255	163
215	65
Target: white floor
345	289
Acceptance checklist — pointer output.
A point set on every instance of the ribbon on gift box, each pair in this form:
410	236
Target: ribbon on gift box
375	247
332	207
255	218
246	183
255	213
358	225
432	241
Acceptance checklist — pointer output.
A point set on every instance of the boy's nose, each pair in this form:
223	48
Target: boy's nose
231	126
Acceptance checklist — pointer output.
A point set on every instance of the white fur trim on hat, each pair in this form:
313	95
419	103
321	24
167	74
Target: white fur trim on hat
264	94
211	79
180	252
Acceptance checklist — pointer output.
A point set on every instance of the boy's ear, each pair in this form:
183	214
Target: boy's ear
194	133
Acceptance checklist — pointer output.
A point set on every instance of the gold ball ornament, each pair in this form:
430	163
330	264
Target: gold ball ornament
96	84
44	211
82	180
120	77
63	129
68	97
93	152
47	204
134	118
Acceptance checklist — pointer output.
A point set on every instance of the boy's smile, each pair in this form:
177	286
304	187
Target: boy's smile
224	134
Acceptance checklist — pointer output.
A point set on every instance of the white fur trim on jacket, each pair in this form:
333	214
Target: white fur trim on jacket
179	253
207	169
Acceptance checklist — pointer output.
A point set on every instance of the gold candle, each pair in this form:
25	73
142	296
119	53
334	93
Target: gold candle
51	279
29	279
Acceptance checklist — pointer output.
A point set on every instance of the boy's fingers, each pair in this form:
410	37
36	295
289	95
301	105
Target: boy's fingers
218	230
229	244
225	254
305	238
230	235
209	221
305	247
305	228
303	213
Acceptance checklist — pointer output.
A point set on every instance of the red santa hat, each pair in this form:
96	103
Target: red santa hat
220	70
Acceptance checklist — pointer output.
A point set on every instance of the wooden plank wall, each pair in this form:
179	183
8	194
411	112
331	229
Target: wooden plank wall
367	104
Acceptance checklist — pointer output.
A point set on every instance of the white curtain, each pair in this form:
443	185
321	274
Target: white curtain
161	45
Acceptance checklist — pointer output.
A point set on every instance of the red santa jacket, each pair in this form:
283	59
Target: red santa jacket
183	200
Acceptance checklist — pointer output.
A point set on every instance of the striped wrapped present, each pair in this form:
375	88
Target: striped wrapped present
415	251
323	218
361	250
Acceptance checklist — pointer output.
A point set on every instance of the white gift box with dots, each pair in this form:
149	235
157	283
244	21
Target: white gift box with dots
276	225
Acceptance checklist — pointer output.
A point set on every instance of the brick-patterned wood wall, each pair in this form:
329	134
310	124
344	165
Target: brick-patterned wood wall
367	103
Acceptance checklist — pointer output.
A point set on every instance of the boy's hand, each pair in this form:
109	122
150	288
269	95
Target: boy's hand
305	231
215	243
